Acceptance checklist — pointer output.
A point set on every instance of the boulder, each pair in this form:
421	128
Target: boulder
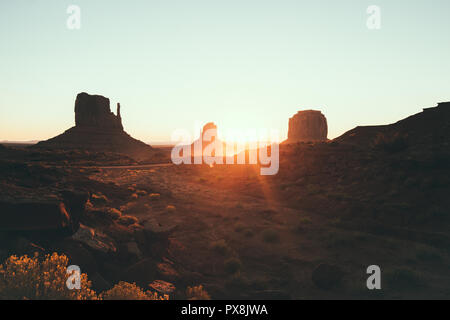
94	240
163	287
308	125
41	211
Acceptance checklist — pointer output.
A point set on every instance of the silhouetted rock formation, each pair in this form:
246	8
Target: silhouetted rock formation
94	111
308	125
97	129
211	128
422	130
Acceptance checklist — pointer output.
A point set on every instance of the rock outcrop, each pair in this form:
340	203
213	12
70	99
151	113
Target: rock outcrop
308	125
97	129
40	212
94	111
211	129
427	130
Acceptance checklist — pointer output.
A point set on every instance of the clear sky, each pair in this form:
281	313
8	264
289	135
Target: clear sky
240	63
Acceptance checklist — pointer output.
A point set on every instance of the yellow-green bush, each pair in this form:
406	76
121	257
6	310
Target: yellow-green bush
24	278
28	278
197	293
129	291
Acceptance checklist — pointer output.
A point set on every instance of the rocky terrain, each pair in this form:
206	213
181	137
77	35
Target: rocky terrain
374	196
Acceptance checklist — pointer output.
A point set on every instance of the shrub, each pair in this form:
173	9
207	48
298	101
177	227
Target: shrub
28	278
232	265
129	291
270	236
128	220
221	247
197	293
31	279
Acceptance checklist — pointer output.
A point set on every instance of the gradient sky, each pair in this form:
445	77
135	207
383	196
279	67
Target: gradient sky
242	64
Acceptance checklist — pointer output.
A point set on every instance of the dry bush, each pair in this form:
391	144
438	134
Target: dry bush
28	278
24	278
129	291
221	247
232	265
197	293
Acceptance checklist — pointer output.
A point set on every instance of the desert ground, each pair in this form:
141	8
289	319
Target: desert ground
374	196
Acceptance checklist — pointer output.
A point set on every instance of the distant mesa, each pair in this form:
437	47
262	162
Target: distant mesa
208	136
307	125
207	140
97	129
94	111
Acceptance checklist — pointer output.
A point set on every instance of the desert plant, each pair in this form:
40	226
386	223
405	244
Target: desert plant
130	291
221	247
28	278
197	293
232	265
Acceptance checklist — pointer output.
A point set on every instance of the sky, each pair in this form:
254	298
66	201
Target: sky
240	63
